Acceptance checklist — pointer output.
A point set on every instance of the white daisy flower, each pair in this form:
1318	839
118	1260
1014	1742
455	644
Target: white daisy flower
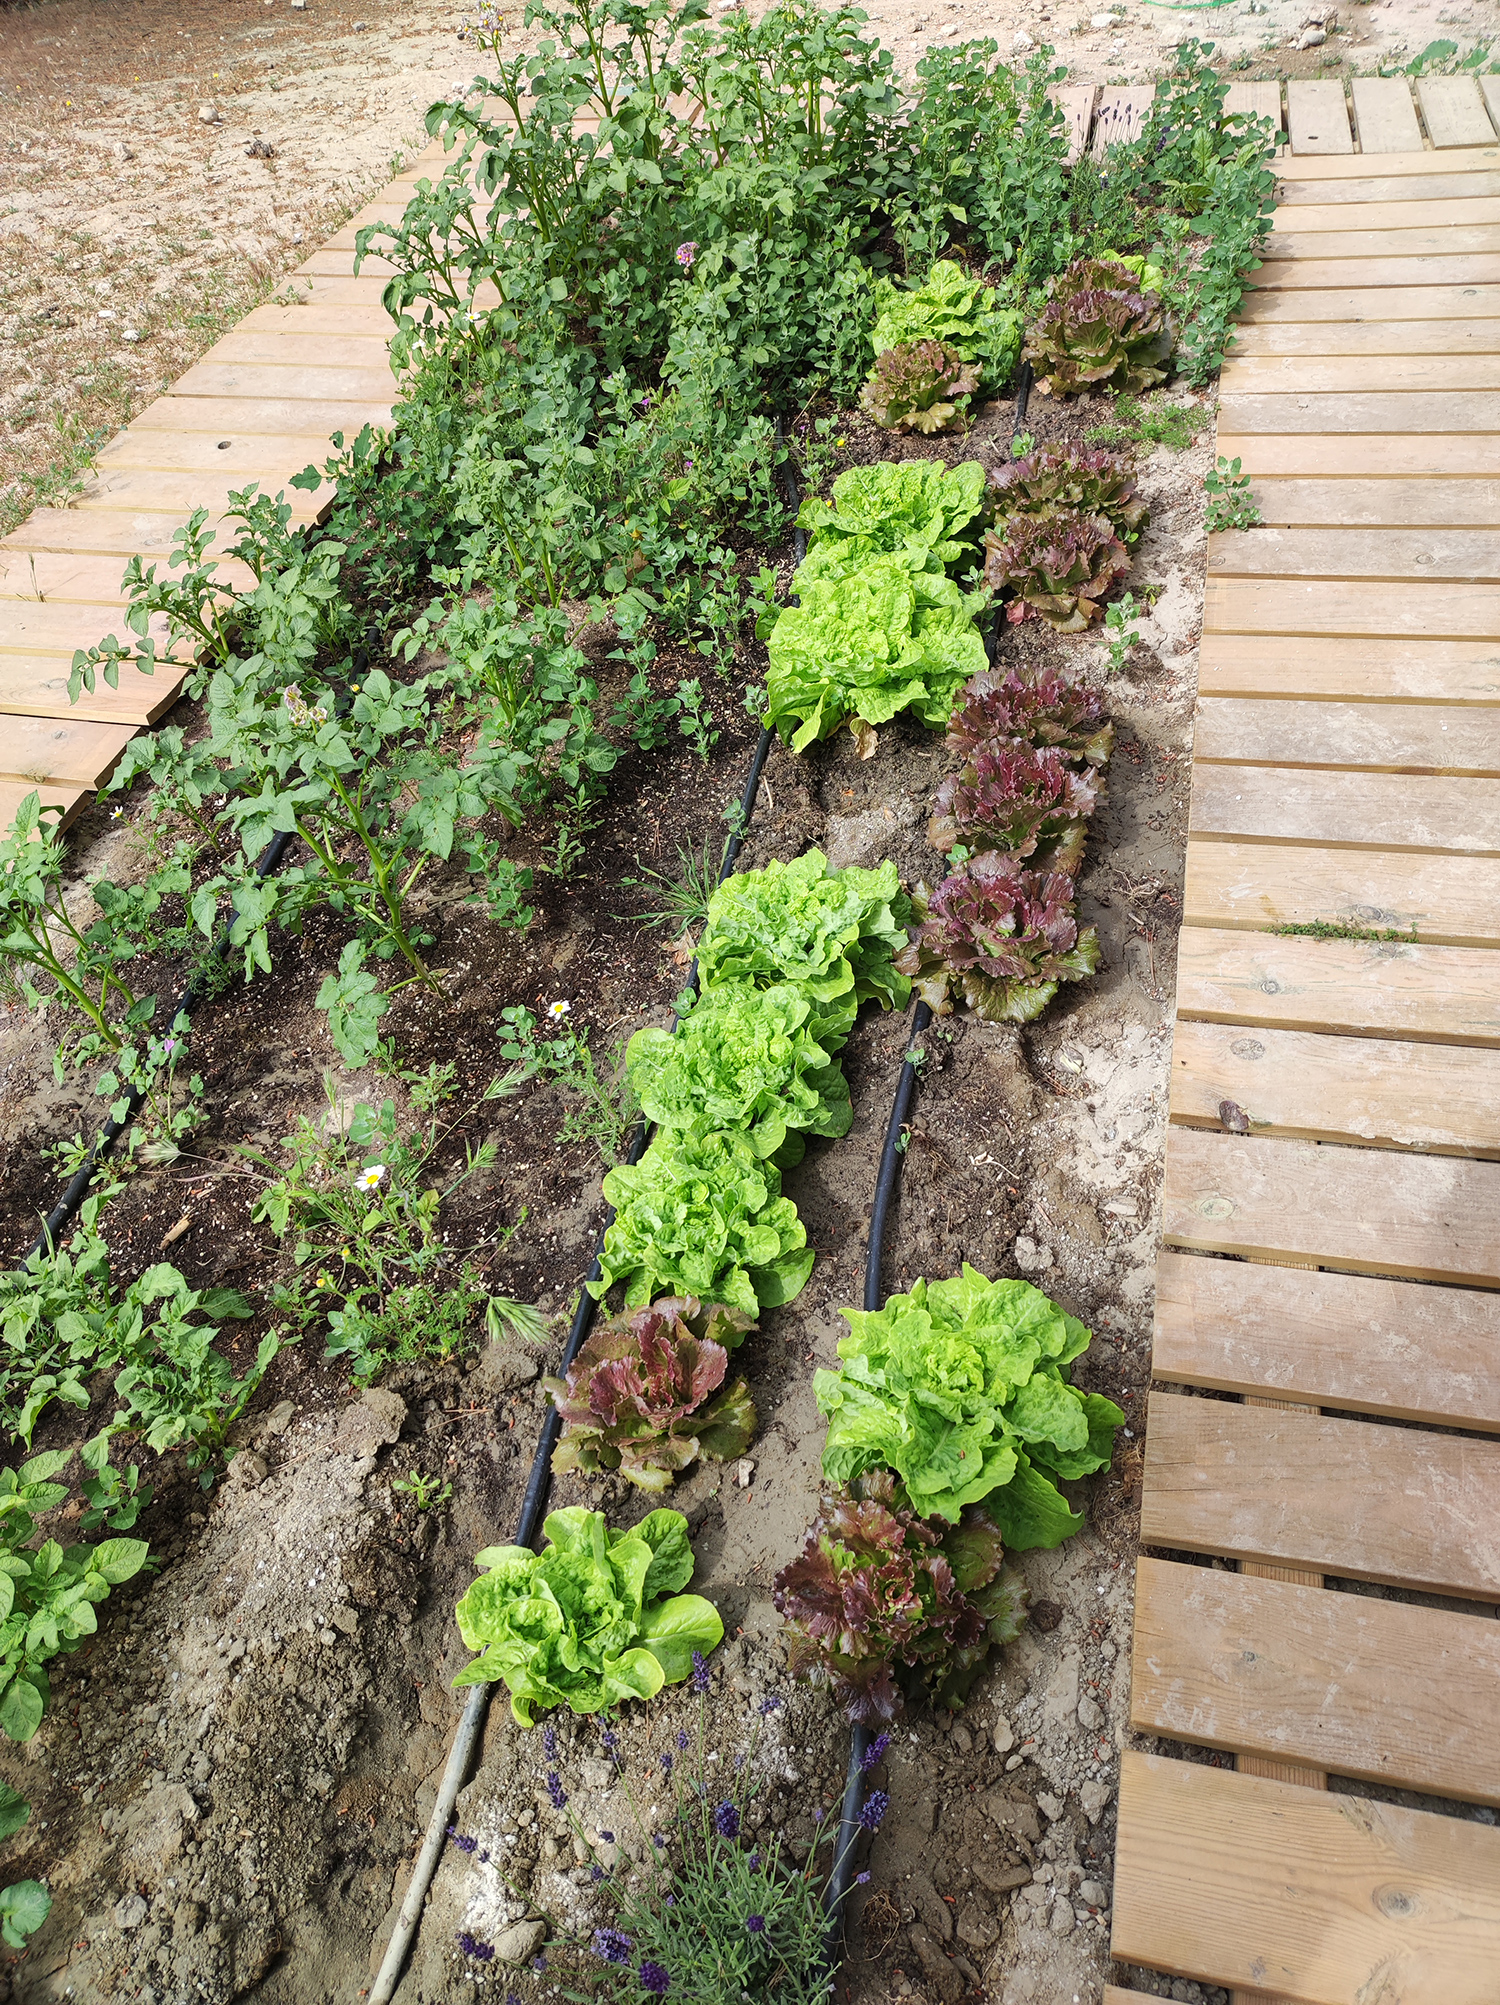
368	1179
559	1008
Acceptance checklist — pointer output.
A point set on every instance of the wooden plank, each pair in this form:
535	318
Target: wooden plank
38	749
1387	737
72	800
1377	411
29	628
1395	338
1362	1211
1261	99
1362	988
1380	246
373	270
1286	605
36	685
1380	670
117	532
1453	111
1474	159
1343	274
1317	120
1384	116
1440	214
1441	182
1356	456
1407	1696
1398	1506
299	346
160	494
271	460
1076	103
1121	116
274	383
1430	1355
1361	300
1300	375
1342	810
1380	504
258	417
313	318
1271	551
1489	90
1315	1086
80	578
1328	1899
1449	901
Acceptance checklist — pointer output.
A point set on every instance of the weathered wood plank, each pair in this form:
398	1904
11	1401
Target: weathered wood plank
1342	274
1360	411
1322	1898
257	381
1440	183
1361	299
1120	116
1384	116
297	347
119	533
71	752
81	578
1272	551
1397	166
1387	811
1477	240
1316	1086
1392	338
1379	504
171	494
1394	1505
1411	1352
1452	208
1448	900
36	685
72	800
1261	99
1317	119
1389	737
241	455
1453	112
1379	670
1407	1696
1287	606
259	417
1365	1211
1342	375
1357	456
42	629
1076	103
1360	988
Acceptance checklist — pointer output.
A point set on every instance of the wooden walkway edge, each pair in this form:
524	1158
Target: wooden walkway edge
1331	1212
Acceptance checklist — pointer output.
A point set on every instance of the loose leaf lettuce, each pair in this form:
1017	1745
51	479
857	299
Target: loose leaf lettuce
750	1060
1012	798
594	1619
865	645
1001	938
1037	705
1060	564
646	1394
703	1216
883	1604
951	307
833	932
918	386
932	1386
927	513
1071	476
1099	329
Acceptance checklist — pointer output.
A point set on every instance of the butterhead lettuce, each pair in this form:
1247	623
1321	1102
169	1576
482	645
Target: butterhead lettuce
961	1387
834	933
593	1619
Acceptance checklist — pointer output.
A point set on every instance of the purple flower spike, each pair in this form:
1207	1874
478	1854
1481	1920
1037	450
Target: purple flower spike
666	1764
876	1805
755	1923
549	1743
556	1791
769	1705
655	1980
607	1837
755	1862
480	1951
727	1821
700	1679
861	1879
611	1946
681	1734
874	1754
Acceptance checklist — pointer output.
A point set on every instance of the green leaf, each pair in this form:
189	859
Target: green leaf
14	1811
117	1560
24	1906
21	1709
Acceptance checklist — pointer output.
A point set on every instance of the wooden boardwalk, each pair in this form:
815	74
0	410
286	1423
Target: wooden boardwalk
1344	1486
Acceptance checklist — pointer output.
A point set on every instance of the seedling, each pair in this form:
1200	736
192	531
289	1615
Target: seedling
1230	502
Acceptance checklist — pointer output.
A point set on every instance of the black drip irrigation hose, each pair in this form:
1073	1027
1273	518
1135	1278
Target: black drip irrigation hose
539	1481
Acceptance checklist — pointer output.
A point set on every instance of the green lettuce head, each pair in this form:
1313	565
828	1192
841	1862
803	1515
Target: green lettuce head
594	1619
834	933
961	1387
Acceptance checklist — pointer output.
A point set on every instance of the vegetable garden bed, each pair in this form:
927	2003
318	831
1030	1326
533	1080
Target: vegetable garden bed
228	1779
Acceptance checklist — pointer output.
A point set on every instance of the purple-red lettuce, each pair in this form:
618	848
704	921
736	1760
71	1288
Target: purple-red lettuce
1098	330
1070	476
1060	564
1037	705
646	1393
1001	938
884	1606
918	386
1014	798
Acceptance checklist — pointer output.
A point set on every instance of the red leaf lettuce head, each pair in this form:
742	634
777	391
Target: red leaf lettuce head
1001	938
646	1393
1098	330
1070	476
1011	797
1037	705
884	1606
918	386
1060	564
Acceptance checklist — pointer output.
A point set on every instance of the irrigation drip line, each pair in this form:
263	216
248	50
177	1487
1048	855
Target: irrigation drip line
539	1481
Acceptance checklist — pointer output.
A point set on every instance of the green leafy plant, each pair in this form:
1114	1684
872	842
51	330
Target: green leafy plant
24	1906
1058	565
602	1106
1000	938
594	1619
1119	631
1231	505
1098	330
680	902
703	1215
957	311
885	1606
919	386
960	1388
426	1492
833	932
1134	423
1070	477
647	1394
929	514
1013	798
1040	707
